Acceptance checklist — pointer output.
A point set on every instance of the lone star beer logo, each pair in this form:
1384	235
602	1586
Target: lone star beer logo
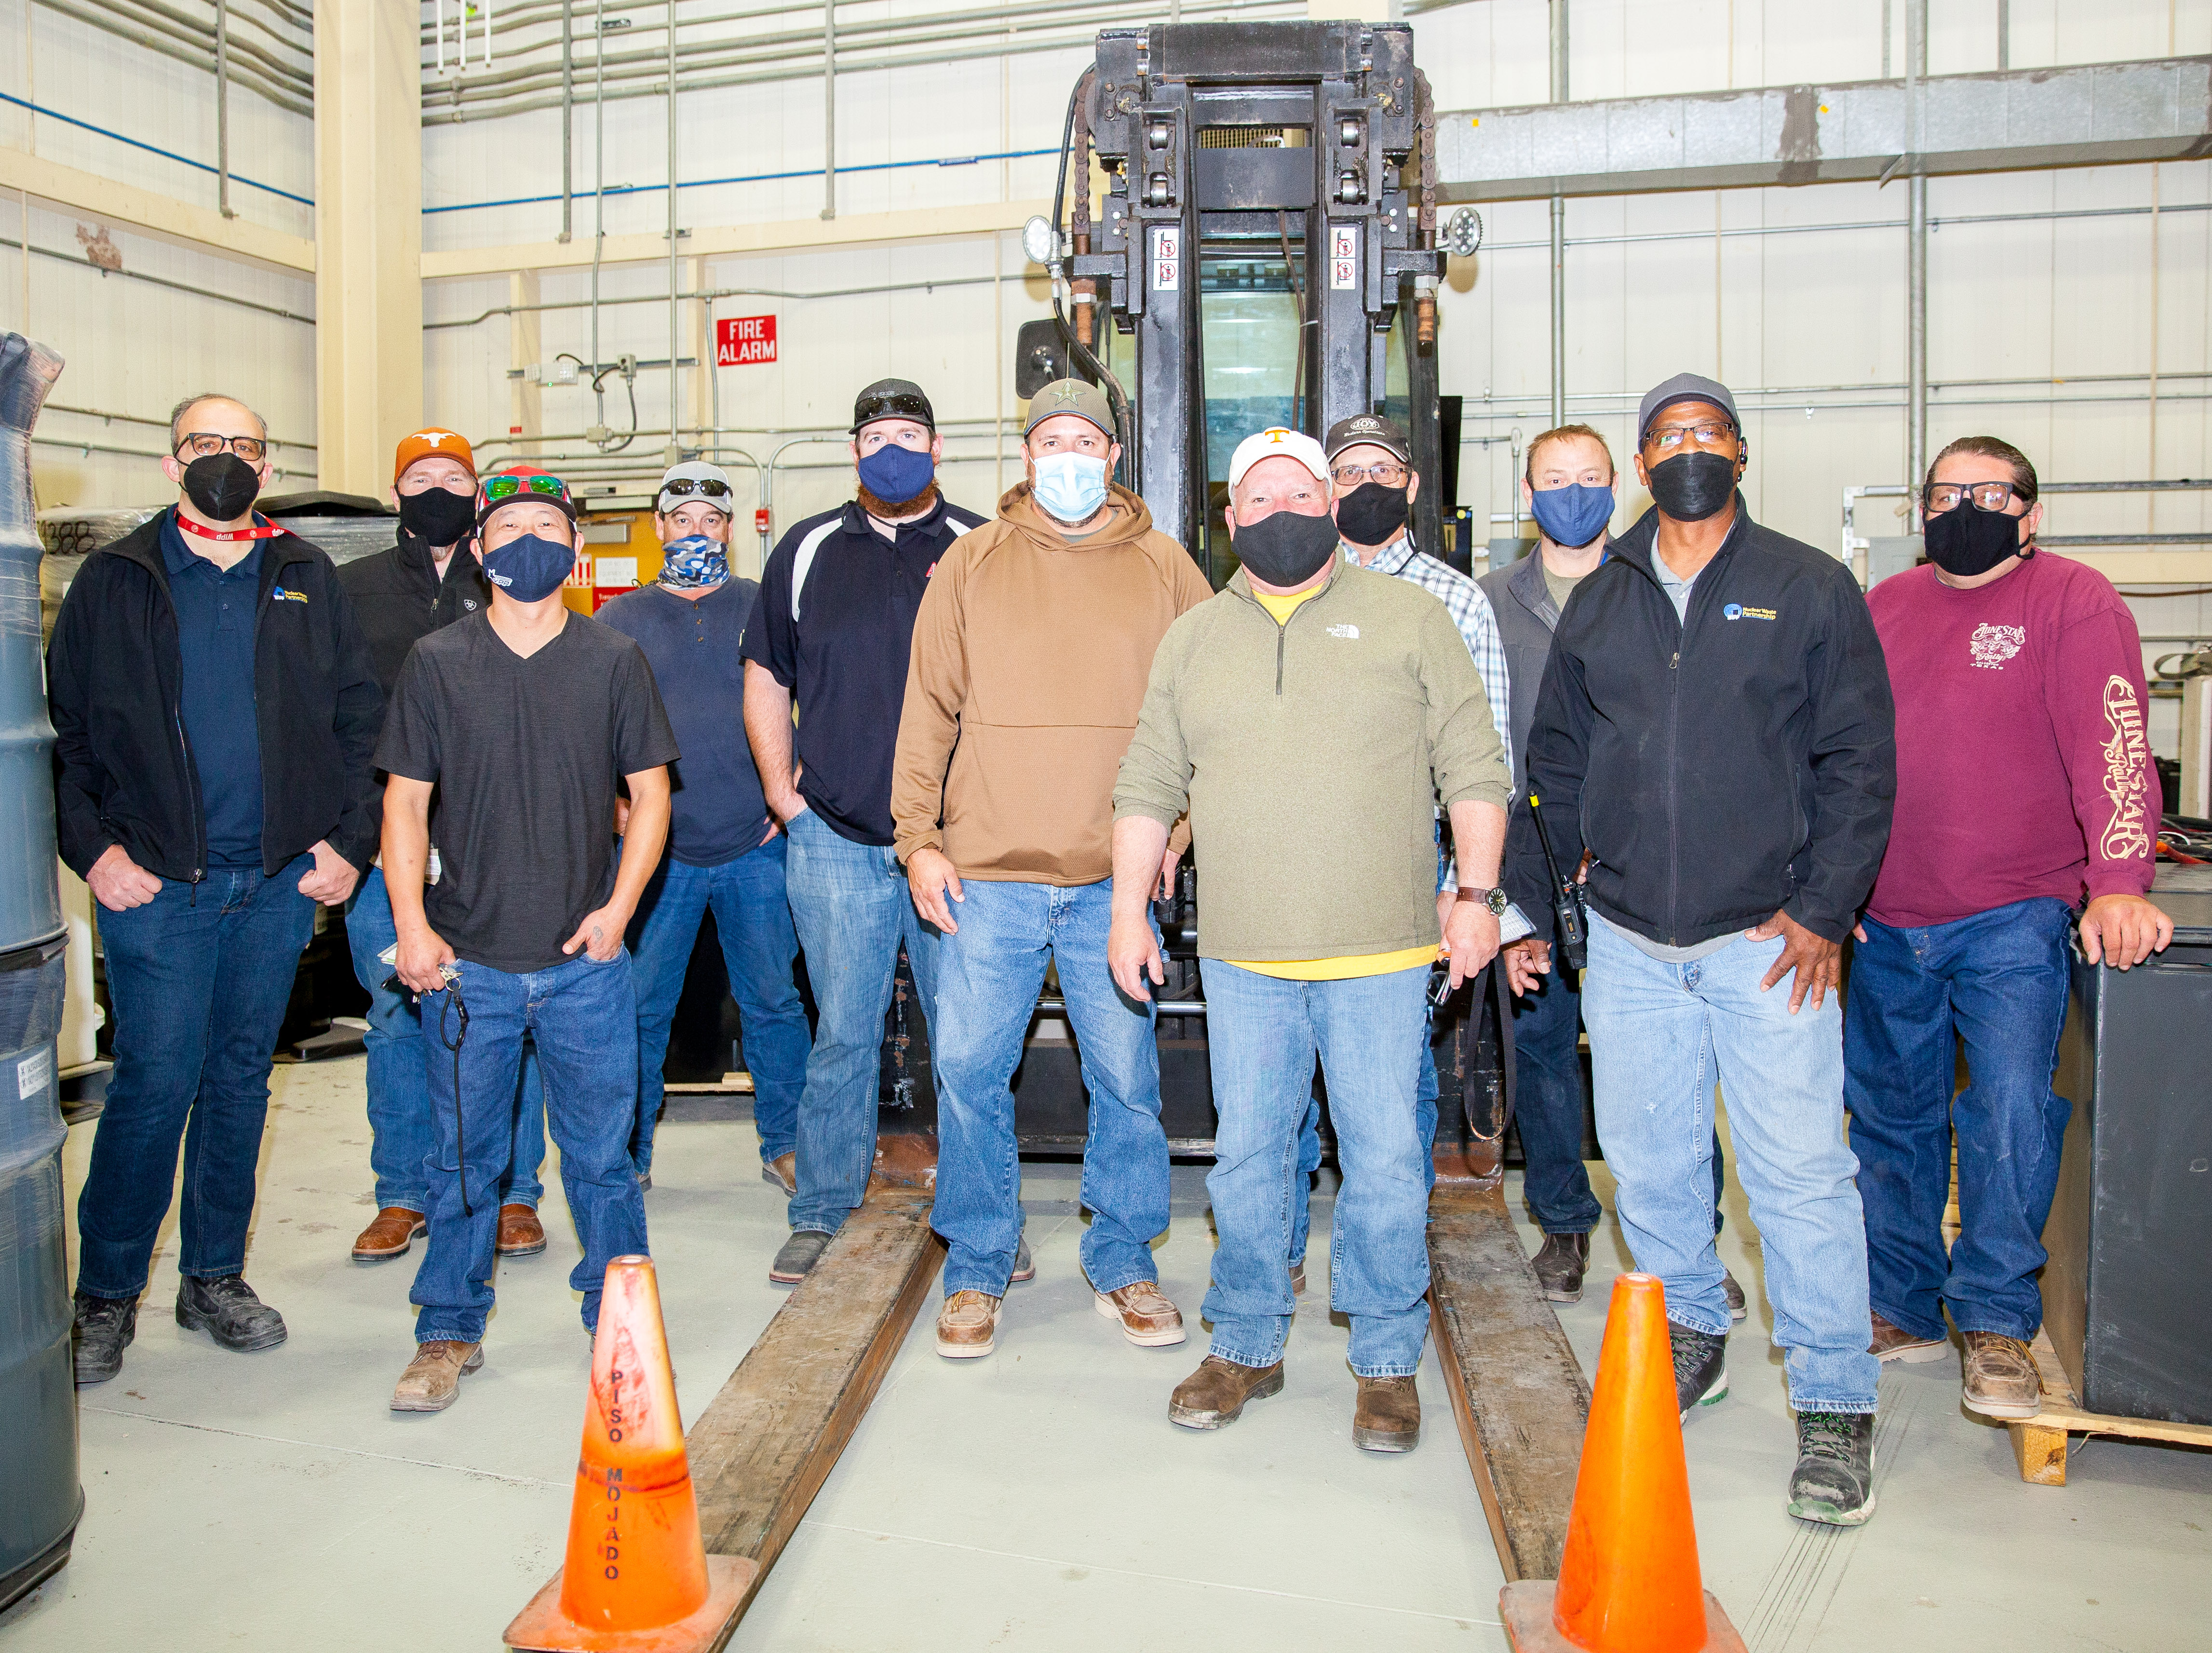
1992	646
2126	765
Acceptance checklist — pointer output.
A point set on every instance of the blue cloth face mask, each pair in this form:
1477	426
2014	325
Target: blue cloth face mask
895	474
531	568
1573	515
692	561
1070	486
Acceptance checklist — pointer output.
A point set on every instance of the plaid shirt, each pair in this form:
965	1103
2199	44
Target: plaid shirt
1470	612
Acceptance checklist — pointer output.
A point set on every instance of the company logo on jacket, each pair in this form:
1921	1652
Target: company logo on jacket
1738	611
280	594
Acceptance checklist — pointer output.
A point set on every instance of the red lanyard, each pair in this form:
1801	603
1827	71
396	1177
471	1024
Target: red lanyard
266	530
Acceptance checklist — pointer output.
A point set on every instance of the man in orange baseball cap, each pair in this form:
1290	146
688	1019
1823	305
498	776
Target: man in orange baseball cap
400	595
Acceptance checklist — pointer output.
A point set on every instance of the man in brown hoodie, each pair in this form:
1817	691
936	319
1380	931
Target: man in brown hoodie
1029	658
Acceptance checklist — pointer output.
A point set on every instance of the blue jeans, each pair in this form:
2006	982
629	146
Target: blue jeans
199	977
1263	1035
752	918
399	1131
1997	982
1547	1105
1424	1121
852	908
582	1016
1660	1035
988	972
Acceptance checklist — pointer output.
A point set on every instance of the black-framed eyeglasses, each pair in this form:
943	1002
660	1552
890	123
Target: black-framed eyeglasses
205	444
713	488
1939	498
1708	435
1390	473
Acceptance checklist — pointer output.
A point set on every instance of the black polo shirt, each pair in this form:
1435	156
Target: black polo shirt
833	625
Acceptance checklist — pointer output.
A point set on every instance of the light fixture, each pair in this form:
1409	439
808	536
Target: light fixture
1464	233
1039	241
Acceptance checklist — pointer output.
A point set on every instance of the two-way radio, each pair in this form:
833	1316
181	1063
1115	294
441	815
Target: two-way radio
1568	911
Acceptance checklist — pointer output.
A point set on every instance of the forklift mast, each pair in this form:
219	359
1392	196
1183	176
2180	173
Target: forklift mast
1310	143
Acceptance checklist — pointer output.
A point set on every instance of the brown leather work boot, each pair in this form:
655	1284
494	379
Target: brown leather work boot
1389	1416
1907	1348
520	1233
433	1379
1298	1277
2000	1377
1213	1396
1148	1319
391	1235
968	1325
782	1171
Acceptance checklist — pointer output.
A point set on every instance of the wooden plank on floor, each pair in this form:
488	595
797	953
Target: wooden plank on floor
763	1446
1516	1389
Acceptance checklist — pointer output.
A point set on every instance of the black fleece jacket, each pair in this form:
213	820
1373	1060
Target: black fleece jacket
124	773
1720	768
398	597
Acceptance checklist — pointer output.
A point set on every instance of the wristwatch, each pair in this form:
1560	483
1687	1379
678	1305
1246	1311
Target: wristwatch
1493	899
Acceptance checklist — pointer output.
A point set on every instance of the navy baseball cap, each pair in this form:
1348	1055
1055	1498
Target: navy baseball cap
1685	387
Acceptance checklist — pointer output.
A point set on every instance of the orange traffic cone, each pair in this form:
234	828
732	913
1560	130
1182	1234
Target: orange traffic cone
637	1579
1629	1581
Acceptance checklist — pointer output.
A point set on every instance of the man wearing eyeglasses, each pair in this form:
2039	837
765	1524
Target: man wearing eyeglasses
1715	729
401	596
829	642
520	719
726	852
2024	792
214	709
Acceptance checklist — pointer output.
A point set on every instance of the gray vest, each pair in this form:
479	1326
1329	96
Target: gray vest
1526	614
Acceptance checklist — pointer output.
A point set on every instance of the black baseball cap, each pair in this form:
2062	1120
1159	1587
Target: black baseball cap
1685	387
892	398
1364	428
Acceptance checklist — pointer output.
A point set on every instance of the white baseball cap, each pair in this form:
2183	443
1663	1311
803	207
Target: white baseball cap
1277	443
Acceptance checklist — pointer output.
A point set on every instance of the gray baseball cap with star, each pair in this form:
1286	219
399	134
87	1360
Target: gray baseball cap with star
1084	401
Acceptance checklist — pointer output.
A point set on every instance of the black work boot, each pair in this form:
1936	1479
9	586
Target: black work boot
1700	1366
1559	1267
104	1328
1833	1482
227	1311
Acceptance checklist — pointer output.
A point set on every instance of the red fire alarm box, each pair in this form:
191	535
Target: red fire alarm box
743	341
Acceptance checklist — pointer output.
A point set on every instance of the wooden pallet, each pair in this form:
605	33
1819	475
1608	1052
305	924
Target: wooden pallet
2040	1442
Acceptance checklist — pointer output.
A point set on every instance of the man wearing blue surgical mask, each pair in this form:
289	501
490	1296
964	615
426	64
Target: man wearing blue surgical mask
828	640
1028	666
726	852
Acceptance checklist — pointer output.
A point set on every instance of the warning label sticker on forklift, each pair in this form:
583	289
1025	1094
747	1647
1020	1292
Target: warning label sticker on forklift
1344	256
1167	260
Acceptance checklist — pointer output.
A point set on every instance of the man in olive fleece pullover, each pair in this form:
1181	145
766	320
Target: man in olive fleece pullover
1310	717
1027	666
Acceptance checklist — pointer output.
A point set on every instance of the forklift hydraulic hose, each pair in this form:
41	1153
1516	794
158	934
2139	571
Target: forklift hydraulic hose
1077	348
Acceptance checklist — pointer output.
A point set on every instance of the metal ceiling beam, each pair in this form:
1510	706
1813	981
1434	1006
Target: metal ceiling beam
2098	114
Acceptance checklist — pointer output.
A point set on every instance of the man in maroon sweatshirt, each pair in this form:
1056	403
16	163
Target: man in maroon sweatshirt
2024	784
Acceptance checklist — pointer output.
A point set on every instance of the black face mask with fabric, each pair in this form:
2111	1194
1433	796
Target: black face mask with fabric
1371	514
438	516
1287	549
1691	487
221	486
1967	541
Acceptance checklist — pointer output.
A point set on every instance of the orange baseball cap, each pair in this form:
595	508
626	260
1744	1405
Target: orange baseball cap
432	444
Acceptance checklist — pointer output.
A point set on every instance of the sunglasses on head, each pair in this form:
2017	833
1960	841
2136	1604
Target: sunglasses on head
512	487
713	488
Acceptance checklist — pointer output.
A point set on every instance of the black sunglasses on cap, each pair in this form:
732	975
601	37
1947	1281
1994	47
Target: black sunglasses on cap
713	488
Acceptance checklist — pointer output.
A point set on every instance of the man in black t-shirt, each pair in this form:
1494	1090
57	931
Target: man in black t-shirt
521	717
829	634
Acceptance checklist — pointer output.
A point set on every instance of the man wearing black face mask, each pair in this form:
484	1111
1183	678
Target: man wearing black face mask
2019	678
216	710
1715	728
402	596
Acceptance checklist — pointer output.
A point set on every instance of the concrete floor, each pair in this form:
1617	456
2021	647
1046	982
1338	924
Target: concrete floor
1037	1499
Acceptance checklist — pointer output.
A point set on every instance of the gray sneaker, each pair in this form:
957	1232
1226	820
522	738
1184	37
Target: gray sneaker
1833	1482
1734	1293
1700	1367
797	1257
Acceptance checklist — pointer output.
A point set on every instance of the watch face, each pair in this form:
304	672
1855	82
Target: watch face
1496	902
